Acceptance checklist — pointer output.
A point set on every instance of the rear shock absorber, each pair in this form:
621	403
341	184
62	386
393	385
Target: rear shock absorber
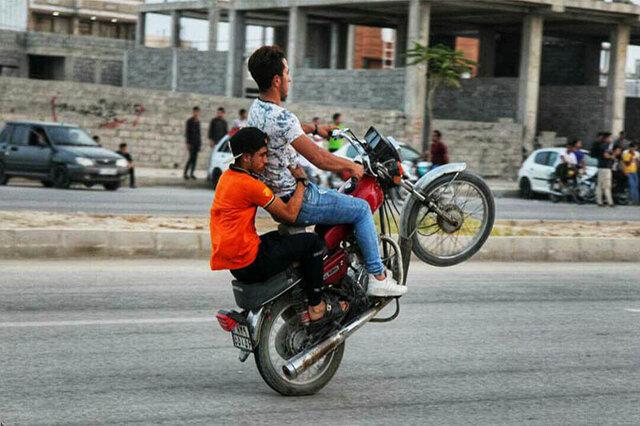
300	306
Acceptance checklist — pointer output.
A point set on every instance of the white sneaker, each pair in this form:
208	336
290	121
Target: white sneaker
385	288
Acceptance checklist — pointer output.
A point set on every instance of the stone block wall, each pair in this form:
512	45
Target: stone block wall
572	111
12	57
371	89
196	71
489	149
479	99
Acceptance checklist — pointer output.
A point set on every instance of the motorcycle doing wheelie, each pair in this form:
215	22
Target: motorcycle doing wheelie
446	220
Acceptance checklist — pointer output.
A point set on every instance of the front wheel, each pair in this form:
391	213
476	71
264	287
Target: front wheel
113	186
4	178
467	199
60	177
282	336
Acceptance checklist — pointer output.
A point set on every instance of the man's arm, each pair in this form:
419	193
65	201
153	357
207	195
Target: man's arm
324	131
324	160
288	212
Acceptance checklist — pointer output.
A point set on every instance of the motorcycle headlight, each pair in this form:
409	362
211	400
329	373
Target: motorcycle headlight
121	162
86	162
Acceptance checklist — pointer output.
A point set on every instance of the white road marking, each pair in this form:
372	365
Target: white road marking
633	310
105	322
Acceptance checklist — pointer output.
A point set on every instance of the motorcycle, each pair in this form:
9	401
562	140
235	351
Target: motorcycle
571	188
587	190
445	220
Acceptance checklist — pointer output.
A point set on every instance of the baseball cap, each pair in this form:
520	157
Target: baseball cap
247	140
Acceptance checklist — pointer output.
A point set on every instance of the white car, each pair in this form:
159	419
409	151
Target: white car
537	170
221	159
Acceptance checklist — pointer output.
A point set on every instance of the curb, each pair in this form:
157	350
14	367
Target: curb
127	244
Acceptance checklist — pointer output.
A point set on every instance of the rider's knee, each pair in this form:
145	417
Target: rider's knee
363	207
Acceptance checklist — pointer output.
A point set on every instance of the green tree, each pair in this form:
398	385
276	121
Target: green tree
445	68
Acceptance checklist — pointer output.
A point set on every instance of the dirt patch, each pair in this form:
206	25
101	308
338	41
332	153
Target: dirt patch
31	219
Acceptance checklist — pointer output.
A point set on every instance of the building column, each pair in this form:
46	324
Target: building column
415	93
401	45
141	27
592	55
214	19
75	25
335	44
487	59
529	78
280	36
616	93
296	38
263	36
235	59
351	47
175	28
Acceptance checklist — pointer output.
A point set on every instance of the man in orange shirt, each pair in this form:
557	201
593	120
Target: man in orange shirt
235	244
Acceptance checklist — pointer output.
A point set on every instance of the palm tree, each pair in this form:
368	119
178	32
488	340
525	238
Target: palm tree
445	67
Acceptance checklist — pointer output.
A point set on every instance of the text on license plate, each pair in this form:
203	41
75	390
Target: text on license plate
242	337
108	171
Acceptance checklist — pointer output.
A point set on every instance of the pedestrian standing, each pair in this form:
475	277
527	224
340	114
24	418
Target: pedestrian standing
630	159
438	152
603	152
336	143
217	128
241	121
194	142
124	152
622	141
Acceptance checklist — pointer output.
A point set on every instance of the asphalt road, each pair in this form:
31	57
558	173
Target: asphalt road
196	202
109	342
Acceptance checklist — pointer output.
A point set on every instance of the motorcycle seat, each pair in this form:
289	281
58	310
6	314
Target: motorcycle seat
252	296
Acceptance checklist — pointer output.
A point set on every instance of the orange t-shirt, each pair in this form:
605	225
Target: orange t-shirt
234	240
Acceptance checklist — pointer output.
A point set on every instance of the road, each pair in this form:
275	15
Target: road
86	342
196	202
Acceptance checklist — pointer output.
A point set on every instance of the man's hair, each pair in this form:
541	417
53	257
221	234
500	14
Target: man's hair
633	144
622	132
438	132
122	145
196	108
242	111
336	116
221	109
264	64
315	118
606	134
247	140
96	138
574	142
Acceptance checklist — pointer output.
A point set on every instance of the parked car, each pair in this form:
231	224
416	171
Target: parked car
220	161
57	155
537	170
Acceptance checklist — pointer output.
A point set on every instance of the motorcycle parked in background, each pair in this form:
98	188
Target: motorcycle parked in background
446	218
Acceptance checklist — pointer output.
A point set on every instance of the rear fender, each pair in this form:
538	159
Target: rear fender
419	186
255	319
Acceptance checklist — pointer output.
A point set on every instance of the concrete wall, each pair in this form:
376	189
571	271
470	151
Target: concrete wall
87	59
479	99
197	72
374	89
490	149
572	111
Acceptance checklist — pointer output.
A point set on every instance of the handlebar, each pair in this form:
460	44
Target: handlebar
357	145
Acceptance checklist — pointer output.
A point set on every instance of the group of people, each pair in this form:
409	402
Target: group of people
618	166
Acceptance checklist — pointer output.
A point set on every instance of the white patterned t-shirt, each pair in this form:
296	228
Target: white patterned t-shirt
282	127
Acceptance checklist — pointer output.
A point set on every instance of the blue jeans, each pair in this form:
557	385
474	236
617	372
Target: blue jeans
633	187
329	207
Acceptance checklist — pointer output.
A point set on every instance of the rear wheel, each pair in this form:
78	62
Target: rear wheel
215	177
60	177
3	175
111	186
555	198
525	189
281	338
466	198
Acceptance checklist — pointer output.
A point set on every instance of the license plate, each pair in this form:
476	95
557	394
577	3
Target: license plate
110	172
242	338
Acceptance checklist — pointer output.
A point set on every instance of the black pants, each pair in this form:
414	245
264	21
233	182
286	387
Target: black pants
132	177
191	163
277	252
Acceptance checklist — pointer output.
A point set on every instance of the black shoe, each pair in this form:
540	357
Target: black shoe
185	177
132	186
193	177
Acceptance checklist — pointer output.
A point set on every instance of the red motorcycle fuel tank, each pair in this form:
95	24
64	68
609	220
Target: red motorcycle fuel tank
366	188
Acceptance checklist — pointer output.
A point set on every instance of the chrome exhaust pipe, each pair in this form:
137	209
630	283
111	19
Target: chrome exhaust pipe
301	362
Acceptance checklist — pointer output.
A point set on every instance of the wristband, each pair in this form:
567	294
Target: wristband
315	131
303	181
